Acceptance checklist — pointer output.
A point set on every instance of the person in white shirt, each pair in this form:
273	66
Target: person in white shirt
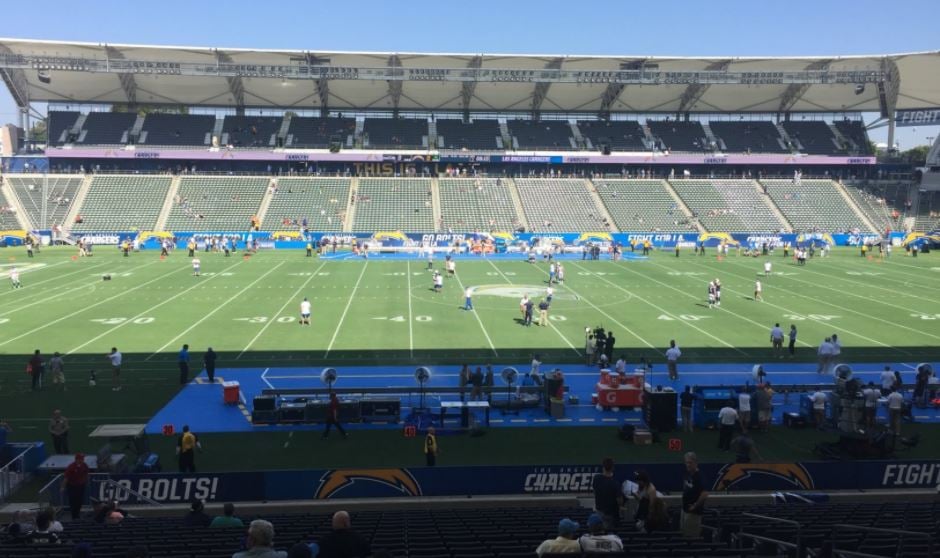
819	408
621	366
887	381
549	293
560	274
767	268
451	267
196	265
727	418
597	539
468	299
438	281
305	312
522	304
871	395
825	356
15	278
744	409
836	348
534	372
758	291
565	543
115	357
776	339
895	410
672	357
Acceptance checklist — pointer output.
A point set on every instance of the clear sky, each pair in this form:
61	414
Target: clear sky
624	27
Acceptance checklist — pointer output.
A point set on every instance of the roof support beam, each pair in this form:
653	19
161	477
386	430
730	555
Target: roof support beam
611	94
795	91
467	88
889	88
394	86
15	80
694	91
235	86
541	88
128	81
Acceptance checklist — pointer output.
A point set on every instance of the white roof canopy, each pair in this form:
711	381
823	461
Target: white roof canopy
47	71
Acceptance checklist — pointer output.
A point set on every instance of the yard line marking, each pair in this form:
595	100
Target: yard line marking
269	322
342	318
615	320
477	316
216	309
411	334
56	278
99	303
664	311
887	276
55	296
843	308
725	310
148	310
829	324
573	348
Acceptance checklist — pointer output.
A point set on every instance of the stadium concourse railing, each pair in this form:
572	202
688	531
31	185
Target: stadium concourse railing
15	472
900	533
792	548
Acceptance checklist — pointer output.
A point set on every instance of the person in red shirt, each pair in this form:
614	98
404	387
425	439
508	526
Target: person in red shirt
76	479
332	417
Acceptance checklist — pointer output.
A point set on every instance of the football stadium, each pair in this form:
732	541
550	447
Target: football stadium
466	305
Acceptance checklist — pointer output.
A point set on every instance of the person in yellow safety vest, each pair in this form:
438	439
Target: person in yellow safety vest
430	447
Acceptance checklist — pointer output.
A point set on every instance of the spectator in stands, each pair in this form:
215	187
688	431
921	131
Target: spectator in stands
343	541
565	543
76	479
597	539
227	519
196	516
43	534
693	498
54	525
260	539
607	495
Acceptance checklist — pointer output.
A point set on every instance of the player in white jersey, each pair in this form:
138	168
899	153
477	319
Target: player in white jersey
305	312
196	266
711	294
767	268
15	278
758	291
718	292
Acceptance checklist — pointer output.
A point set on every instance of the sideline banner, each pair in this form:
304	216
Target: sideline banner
513	480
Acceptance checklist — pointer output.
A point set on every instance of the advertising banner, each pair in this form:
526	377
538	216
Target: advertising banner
513	480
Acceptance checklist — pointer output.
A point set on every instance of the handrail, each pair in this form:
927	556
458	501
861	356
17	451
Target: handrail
119	489
786	544
53	492
13	474
799	527
900	532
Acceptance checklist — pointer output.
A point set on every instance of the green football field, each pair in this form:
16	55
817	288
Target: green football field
385	312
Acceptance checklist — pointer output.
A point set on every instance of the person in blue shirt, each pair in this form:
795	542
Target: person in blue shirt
183	360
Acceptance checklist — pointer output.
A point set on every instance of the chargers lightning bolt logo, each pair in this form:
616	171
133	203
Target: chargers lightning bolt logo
398	479
793	474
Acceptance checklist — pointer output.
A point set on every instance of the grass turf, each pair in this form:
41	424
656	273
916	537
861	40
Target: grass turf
385	312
